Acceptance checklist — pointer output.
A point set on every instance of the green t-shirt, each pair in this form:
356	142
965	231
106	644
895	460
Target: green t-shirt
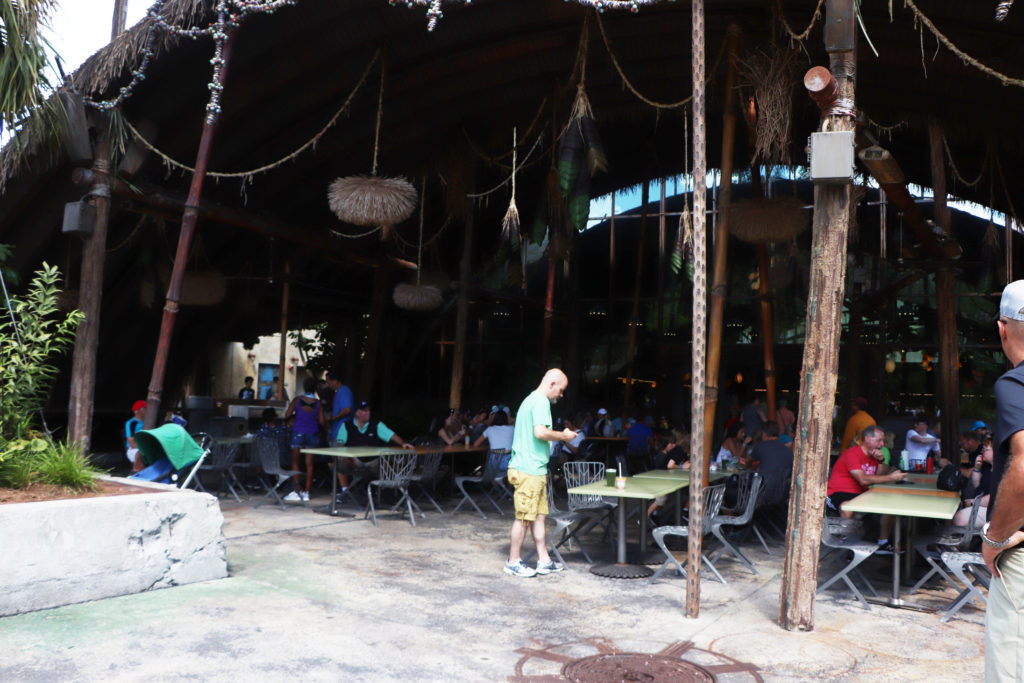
530	454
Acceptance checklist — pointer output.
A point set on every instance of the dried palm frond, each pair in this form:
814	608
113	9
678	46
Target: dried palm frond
772	76
1003	8
764	220
510	223
371	200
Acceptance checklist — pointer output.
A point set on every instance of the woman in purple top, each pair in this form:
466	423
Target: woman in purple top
309	419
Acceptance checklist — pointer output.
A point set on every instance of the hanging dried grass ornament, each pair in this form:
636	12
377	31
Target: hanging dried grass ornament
418	297
763	220
372	201
510	223
772	76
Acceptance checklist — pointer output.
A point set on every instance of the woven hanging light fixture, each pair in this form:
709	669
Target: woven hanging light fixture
372	201
763	220
418	297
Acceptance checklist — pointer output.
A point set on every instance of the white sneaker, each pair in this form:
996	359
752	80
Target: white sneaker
304	495
293	497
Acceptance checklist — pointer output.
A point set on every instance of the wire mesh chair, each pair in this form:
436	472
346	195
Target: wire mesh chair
835	538
564	533
771	505
484	481
950	539
971	570
395	471
712	504
268	454
598	508
428	473
221	462
746	501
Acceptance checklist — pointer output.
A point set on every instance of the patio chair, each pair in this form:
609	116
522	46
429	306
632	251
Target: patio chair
598	508
771	504
167	451
564	533
484	481
834	540
971	570
268	454
428	473
221	462
712	505
746	500
395	470
950	539
501	486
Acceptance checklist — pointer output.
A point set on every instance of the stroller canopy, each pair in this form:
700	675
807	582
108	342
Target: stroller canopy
169	441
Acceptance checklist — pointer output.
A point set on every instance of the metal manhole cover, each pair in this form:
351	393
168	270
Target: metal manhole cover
628	666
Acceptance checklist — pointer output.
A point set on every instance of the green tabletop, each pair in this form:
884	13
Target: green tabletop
918	482
636	487
677	474
356	451
906	502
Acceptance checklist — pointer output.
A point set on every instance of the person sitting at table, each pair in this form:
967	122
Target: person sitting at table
734	448
308	413
978	483
362	431
774	461
669	453
451	430
857	469
498	437
920	443
603	426
562	451
859	420
274	428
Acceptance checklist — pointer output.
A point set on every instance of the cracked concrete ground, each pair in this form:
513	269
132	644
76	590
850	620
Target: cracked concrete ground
325	599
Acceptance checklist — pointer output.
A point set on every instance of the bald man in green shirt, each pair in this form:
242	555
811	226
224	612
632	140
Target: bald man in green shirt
528	469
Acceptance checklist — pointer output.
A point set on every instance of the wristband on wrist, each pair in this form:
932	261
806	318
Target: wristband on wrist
998	545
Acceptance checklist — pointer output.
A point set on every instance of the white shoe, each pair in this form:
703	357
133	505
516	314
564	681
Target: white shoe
293	497
304	495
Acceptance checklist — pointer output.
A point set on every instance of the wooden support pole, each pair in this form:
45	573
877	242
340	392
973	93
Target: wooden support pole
188	226
378	304
90	302
634	316
462	314
767	329
720	275
1008	233
821	346
945	305
549	312
697	398
282	366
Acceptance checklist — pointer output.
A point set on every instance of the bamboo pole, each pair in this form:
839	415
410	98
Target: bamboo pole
90	302
697	450
634	316
188	226
945	304
821	347
549	311
715	321
767	329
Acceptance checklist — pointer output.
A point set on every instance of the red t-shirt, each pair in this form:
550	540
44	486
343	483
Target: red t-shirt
853	458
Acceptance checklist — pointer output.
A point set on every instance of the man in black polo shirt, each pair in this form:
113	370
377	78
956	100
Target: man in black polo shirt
1003	553
362	431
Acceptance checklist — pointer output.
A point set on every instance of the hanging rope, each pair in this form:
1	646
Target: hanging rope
170	162
496	160
807	31
503	183
964	57
956	171
380	117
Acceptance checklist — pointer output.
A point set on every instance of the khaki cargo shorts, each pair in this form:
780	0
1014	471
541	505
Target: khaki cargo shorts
531	497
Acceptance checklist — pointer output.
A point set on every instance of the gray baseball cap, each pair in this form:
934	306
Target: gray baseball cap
1011	305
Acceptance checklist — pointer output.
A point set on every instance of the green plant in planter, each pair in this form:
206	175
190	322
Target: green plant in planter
32	332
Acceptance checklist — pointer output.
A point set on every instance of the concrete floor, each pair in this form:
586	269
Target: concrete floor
316	598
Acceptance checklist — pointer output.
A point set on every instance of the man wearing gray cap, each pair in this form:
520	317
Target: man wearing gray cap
1004	532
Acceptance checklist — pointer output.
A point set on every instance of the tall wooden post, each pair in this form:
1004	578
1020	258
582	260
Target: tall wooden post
945	305
90	300
188	227
821	344
697	451
282	363
634	316
767	328
378	303
462	314
549	311
714	348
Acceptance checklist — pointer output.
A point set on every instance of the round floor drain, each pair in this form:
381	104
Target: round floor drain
626	666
